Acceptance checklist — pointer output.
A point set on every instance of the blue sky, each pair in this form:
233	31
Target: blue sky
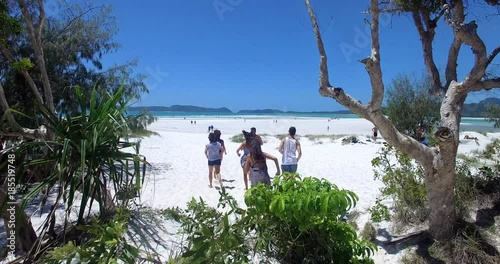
254	54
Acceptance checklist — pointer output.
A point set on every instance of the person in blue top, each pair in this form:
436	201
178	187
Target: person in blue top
213	152
245	147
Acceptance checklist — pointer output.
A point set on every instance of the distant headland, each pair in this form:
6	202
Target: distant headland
225	110
469	110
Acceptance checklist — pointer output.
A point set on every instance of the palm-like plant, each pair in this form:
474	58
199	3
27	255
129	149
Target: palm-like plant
87	155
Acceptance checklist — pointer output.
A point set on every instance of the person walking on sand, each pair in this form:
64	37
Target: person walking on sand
253	131
375	134
213	153
245	147
256	165
218	139
291	150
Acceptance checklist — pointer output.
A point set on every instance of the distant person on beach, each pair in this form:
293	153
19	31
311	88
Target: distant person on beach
256	165
213	153
245	147
328	128
375	134
291	150
253	131
218	139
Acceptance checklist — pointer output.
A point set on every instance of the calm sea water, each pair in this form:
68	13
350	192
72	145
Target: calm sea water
467	124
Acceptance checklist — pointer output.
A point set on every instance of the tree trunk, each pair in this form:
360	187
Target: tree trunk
441	194
17	221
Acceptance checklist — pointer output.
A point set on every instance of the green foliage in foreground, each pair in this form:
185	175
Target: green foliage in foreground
107	244
292	221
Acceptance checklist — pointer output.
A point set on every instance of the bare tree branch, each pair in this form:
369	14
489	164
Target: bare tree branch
427	37
371	112
488	84
451	66
467	33
372	63
493	55
324	81
25	74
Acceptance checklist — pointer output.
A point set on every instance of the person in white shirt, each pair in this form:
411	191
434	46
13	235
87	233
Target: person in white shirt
291	150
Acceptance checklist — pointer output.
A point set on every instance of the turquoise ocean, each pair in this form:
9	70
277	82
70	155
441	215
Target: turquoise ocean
467	124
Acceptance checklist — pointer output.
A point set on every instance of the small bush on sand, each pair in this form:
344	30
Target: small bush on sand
324	137
106	245
379	212
412	258
239	138
350	139
369	232
404	183
353	217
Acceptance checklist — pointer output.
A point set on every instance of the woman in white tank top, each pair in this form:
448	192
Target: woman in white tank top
291	150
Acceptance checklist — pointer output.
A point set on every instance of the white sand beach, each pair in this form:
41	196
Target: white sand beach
179	169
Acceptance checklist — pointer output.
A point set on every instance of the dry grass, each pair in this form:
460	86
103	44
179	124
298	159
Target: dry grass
325	137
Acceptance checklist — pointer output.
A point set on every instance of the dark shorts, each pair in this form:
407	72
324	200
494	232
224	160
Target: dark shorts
214	162
375	134
289	168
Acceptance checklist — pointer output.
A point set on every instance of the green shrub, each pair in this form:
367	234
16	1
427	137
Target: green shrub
319	137
369	232
412	258
291	221
404	183
349	140
106	245
239	138
297	220
379	212
211	237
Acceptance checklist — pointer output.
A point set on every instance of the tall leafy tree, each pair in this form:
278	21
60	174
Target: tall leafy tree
410	106
439	165
493	114
42	60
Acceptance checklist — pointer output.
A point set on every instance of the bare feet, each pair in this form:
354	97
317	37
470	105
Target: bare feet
210	186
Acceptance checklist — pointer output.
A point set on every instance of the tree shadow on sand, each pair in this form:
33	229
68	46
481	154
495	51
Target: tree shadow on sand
421	239
147	232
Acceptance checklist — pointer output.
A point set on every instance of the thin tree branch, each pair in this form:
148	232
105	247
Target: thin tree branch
467	33
488	84
427	37
324	81
451	66
372	63
372	113
493	55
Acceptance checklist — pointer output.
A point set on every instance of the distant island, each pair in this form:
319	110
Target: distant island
469	110
181	108
224	110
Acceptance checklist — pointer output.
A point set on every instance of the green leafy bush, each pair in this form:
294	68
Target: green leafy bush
106	245
239	138
297	220
211	237
292	221
403	182
379	212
